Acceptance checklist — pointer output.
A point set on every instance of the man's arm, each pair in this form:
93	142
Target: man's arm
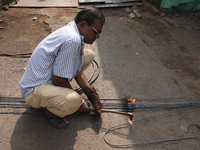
91	93
63	82
82	80
59	81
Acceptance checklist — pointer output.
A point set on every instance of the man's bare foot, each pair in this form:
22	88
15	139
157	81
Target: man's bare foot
56	122
84	108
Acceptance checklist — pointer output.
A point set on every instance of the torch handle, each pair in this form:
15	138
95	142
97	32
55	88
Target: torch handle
113	111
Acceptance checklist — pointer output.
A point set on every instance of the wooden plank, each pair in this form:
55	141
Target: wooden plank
91	1
107	1
46	3
114	5
113	1
123	1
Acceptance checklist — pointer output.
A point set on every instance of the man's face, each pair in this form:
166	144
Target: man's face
91	32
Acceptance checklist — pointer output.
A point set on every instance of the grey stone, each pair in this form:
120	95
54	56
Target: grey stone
134	7
172	21
138	15
177	15
128	10
135	11
131	16
162	14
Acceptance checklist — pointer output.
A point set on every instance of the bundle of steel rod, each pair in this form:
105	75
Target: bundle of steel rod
122	106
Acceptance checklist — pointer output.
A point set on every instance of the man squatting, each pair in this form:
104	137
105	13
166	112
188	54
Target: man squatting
58	59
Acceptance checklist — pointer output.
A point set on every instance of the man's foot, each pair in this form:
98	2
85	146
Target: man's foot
84	108
55	120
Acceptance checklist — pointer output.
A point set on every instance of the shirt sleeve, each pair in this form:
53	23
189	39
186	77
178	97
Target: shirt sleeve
65	60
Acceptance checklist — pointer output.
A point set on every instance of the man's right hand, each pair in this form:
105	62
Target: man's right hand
94	99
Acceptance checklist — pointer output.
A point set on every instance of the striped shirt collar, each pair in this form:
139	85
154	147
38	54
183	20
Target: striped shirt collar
77	30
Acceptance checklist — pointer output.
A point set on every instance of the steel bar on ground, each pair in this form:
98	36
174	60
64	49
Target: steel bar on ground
149	99
165	105
14	104
19	99
20	112
113	111
4	106
118	105
11	99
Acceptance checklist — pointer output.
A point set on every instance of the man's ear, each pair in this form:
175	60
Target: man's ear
83	23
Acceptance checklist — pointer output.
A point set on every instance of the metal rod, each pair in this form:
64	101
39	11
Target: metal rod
19	112
113	111
117	105
15	106
165	105
19	99
11	99
147	99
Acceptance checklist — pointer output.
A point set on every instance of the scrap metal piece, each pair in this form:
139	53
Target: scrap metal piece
113	1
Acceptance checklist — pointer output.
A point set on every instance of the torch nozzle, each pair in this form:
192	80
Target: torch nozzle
131	117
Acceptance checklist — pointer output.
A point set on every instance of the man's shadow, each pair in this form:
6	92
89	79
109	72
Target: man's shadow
33	131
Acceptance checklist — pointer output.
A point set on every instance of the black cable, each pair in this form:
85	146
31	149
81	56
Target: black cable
80	90
25	55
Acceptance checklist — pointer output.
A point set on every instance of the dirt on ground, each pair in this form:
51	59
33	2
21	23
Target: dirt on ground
174	38
177	47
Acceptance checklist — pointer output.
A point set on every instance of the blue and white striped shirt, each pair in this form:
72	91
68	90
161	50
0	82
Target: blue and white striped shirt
61	53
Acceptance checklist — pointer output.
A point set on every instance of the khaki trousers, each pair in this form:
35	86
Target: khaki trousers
58	100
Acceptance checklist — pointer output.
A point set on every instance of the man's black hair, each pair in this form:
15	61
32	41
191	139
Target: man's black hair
90	14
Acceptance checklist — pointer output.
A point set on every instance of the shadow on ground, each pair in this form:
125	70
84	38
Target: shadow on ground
33	131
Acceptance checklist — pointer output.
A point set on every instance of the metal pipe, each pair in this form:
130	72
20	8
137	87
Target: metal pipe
117	112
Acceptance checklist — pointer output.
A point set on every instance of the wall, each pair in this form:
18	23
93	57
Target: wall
181	5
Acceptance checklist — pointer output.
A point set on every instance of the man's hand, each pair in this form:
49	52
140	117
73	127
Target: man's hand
94	99
84	107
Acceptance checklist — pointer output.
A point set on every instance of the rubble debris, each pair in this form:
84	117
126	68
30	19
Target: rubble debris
1	21
128	10
138	15
135	11
162	14
131	16
177	15
134	7
34	18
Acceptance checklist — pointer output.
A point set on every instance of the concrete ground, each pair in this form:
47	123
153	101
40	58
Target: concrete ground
150	57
